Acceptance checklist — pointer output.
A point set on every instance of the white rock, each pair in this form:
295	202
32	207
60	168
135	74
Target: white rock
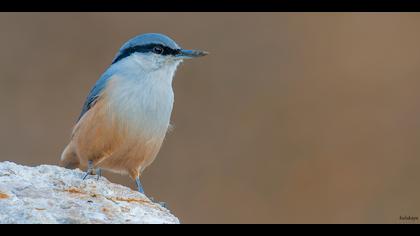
50	194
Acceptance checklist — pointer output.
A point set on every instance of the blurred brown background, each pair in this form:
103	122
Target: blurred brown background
293	118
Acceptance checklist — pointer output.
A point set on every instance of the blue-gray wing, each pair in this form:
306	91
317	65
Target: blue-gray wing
94	94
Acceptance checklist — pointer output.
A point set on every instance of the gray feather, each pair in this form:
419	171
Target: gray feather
95	93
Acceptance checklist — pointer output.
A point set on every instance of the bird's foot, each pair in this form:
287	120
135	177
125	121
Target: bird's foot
88	172
91	171
98	173
162	204
141	190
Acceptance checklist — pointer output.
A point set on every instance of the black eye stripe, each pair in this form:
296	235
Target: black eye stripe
144	49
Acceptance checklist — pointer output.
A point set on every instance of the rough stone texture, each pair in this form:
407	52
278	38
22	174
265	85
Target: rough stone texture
51	194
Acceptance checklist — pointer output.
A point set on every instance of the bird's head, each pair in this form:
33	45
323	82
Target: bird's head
155	52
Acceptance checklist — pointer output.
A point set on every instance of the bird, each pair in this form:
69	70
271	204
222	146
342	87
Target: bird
127	112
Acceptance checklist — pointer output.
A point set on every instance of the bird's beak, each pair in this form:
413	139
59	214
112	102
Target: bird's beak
187	54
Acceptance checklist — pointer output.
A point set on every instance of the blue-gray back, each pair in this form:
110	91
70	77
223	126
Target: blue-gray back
95	93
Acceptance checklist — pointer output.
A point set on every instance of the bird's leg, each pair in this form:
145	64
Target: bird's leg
89	170
141	190
139	185
98	173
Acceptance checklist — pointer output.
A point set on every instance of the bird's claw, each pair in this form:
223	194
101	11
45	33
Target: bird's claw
88	172
91	171
162	204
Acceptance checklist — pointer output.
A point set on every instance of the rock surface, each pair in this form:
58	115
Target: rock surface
50	194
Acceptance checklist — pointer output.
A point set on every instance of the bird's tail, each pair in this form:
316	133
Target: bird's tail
69	158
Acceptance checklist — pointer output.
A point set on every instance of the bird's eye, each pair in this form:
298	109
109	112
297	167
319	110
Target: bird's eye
158	50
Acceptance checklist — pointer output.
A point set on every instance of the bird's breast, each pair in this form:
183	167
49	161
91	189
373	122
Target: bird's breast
142	106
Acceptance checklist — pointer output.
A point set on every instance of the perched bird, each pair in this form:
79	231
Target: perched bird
127	112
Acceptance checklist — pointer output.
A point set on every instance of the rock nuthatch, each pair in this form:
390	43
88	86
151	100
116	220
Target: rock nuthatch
127	113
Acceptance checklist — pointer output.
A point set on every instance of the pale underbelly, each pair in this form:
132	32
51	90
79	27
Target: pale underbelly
139	143
120	142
